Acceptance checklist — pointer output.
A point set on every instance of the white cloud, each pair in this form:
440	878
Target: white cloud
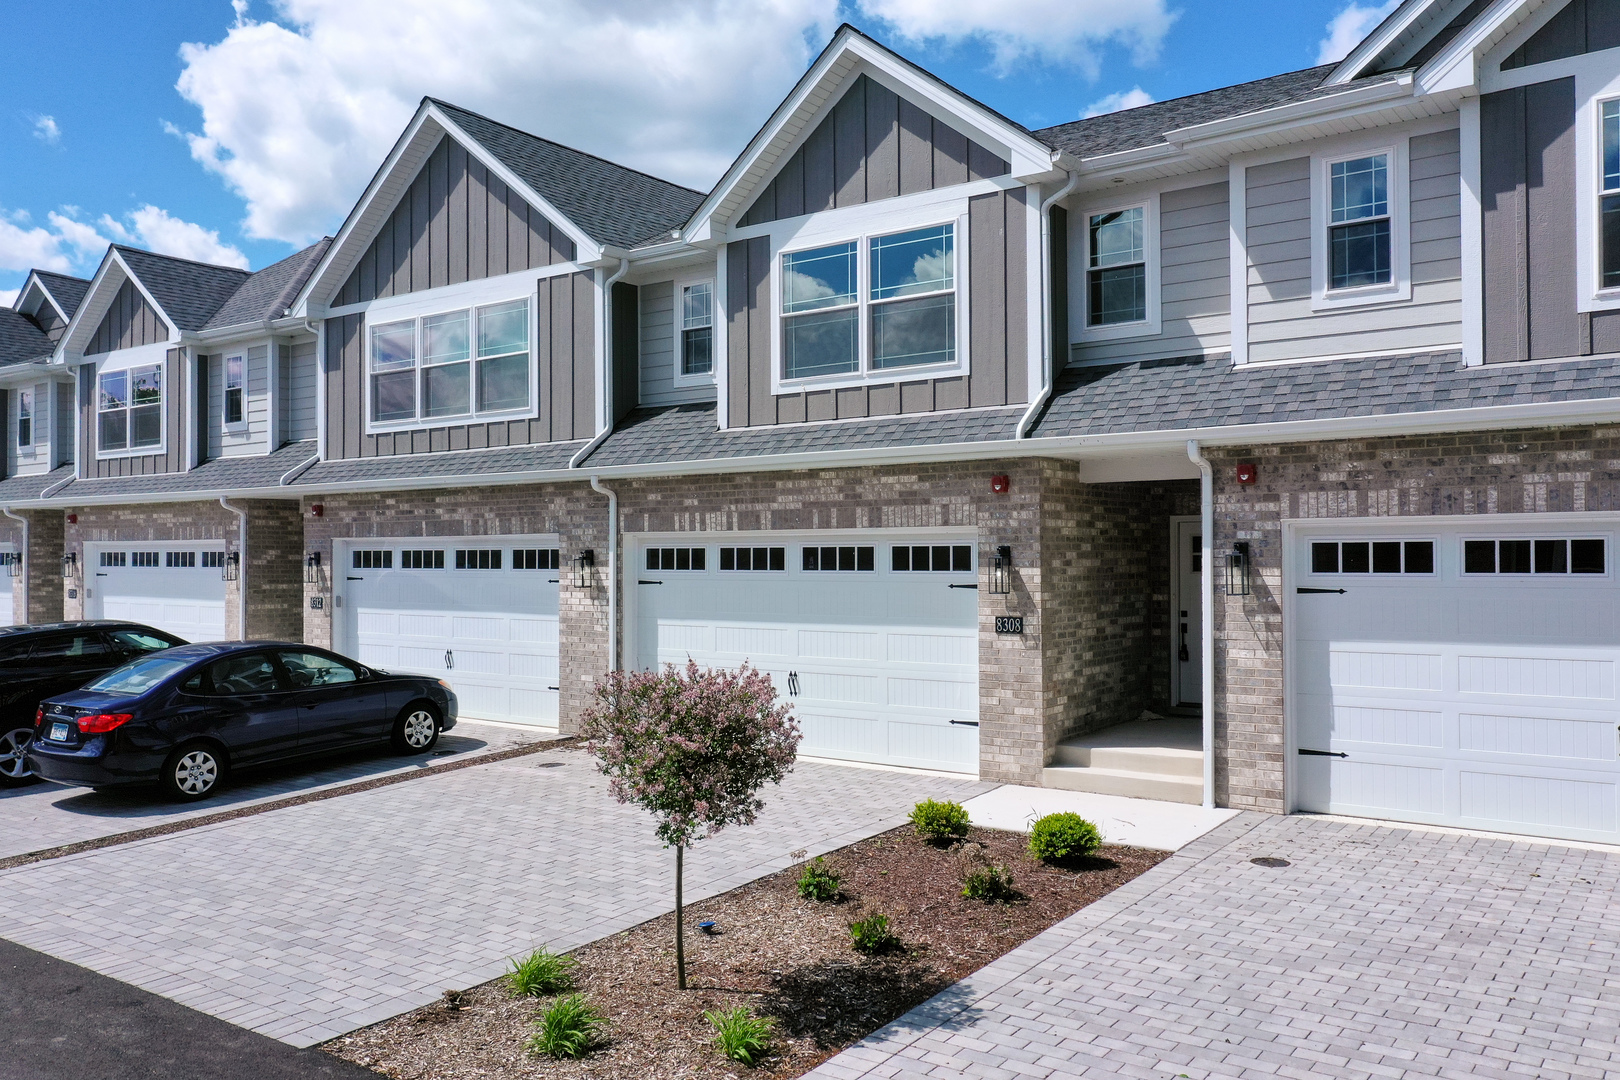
8	297
1062	31
87	244
298	113
26	249
157	230
1348	28
71	246
1123	99
46	130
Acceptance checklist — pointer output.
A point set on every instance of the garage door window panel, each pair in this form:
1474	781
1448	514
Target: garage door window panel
948	558
694	559
374	559
1372	557
421	560
478	558
1548	556
753	559
536	559
841	558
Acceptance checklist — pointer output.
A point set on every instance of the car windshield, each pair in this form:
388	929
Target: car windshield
136	677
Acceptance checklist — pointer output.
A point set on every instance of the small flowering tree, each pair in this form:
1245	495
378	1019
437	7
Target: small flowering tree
692	747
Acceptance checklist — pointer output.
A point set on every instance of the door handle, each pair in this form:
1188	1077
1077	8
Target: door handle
793	683
1185	655
646	582
449	660
1320	753
1339	591
973	586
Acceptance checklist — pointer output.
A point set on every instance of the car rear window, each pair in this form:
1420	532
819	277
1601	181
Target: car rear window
137	676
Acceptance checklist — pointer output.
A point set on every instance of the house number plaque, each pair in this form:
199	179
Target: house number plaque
1009	624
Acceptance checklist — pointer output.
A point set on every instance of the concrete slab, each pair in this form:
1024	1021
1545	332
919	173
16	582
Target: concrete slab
1162	826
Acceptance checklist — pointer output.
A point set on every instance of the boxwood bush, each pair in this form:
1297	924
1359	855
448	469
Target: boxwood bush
940	822
1063	836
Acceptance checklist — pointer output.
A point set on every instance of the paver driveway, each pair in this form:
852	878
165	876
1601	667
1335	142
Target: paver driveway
305	922
1379	952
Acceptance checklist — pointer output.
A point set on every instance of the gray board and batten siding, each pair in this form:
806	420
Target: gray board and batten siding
1583	26
457	222
173	456
564	350
130	321
998	338
1282	324
872	145
50	322
1527	158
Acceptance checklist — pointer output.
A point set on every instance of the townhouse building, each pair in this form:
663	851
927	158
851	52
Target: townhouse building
1259	447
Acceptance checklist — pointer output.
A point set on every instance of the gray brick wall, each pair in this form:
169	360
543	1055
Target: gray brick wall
42	564
274	578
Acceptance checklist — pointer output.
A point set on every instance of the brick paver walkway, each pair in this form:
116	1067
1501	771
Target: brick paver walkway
1378	953
309	921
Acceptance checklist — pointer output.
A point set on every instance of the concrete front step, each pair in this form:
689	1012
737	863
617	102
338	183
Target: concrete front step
1158	760
1135	785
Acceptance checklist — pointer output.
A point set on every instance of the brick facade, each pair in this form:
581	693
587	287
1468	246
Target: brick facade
42	565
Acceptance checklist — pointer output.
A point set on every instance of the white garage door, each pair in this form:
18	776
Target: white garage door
1464	676
481	614
175	587
869	640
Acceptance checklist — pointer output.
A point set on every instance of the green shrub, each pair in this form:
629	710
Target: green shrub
740	1035
992	884
1063	836
567	1029
872	935
819	882
541	972
938	822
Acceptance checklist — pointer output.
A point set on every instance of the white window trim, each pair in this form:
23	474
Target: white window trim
26	449
861	229
127	360
479	291
1595	84
224	391
1080	274
1399	288
418	313
677	316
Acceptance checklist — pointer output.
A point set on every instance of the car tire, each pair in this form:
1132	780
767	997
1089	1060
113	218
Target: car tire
14	768
194	771
417	729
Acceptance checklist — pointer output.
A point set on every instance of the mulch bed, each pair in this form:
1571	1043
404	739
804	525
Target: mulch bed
780	955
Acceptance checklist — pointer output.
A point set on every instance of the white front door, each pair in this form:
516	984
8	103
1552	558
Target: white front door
179	588
873	641
480	613
1188	622
1460	673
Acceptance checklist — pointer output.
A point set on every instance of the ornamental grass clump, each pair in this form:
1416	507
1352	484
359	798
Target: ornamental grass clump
569	1028
819	882
940	822
740	1035
1056	837
692	747
541	972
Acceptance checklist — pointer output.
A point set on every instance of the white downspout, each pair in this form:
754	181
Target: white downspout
606	338
1048	372
22	555
241	567
613	570
1206	585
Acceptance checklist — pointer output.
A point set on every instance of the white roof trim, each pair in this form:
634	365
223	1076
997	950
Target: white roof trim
1457	65
1383	36
846	56
393	178
36	282
98	298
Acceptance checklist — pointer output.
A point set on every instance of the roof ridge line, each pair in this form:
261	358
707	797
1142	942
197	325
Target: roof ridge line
182	258
1188	97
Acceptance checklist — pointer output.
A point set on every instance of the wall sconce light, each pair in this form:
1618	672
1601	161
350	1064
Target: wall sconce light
232	570
1237	570
582	568
1001	571
14	563
70	562
312	568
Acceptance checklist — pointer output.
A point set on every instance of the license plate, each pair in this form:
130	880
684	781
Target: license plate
59	732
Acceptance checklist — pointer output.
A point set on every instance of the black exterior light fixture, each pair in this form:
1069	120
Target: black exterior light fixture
312	568
1001	571
1237	570
70	562
14	563
232	570
582	568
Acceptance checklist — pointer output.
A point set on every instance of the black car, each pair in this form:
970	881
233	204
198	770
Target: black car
37	662
187	716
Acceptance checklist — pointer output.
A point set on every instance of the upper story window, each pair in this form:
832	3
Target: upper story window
453	364
1359	234
901	315
129	408
1116	267
1609	206
25	418
233	389
697	331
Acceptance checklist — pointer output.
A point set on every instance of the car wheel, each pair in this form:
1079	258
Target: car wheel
417	729
14	767
193	772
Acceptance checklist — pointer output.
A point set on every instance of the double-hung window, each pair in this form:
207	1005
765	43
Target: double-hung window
1116	267
233	389
1359	223
466	364
697	331
1609	204
25	418
129	408
900	314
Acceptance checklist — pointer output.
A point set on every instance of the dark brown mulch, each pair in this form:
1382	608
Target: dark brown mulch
782	956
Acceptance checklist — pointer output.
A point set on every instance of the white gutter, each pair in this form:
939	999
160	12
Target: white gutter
23	555
1048	371
606	338
612	571
241	568
1206	584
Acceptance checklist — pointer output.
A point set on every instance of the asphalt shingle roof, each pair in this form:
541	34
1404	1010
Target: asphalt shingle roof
611	203
66	290
20	340
267	293
188	292
15	489
507	459
221	474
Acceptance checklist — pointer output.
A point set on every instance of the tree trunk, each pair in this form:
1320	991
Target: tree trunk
680	943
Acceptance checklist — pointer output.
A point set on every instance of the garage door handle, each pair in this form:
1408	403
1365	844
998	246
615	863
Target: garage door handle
644	581
973	586
966	723
1339	591
356	579
553	688
100	574
449	659
1321	753
551	581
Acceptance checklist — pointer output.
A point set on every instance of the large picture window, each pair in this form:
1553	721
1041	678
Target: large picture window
453	364
1116	267
129	408
1609	206
1359	225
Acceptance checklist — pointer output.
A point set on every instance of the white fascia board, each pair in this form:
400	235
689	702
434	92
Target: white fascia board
1456	67
1383	36
36	282
1350	102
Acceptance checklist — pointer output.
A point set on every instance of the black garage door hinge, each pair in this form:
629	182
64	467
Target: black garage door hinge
1321	753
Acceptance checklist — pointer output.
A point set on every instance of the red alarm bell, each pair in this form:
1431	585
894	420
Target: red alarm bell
1000	484
1247	474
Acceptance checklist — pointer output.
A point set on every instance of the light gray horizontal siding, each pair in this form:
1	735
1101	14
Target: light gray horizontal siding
658	350
1195	290
36	457
251	436
1282	325
299	390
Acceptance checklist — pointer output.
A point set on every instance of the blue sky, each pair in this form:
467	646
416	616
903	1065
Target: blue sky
280	116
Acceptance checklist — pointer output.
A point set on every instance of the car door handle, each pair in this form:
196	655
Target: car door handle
1321	753
1338	591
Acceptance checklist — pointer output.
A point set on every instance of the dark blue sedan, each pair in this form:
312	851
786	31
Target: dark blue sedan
186	716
